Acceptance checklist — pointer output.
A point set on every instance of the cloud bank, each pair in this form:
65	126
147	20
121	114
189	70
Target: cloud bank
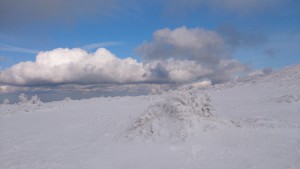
174	56
196	53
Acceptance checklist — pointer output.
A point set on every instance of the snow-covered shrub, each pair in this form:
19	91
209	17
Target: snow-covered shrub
176	115
5	101
184	104
29	105
200	106
23	98
35	100
67	99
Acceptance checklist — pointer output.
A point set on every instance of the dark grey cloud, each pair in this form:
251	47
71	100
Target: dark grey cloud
236	38
267	70
271	53
226	71
195	44
190	53
159	74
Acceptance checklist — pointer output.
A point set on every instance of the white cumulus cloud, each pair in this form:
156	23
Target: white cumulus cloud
76	66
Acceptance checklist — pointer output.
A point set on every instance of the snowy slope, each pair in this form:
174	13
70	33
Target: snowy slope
254	124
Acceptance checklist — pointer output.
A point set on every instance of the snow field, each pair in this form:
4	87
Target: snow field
252	125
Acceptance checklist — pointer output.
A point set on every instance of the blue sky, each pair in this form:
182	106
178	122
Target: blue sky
257	34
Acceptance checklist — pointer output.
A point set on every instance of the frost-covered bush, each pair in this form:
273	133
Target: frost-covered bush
180	106
206	107
35	100
175	115
28	105
23	98
67	99
5	101
191	104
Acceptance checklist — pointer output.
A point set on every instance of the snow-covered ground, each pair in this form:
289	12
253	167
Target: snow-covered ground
251	125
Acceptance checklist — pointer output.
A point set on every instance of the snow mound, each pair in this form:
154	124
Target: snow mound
288	98
176	117
284	77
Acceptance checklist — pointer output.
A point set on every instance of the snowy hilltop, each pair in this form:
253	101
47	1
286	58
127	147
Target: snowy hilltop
253	123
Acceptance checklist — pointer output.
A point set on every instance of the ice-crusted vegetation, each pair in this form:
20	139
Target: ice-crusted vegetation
175	116
5	101
24	104
29	104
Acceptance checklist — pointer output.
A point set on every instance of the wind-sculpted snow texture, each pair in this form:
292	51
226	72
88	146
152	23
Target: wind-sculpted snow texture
253	124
